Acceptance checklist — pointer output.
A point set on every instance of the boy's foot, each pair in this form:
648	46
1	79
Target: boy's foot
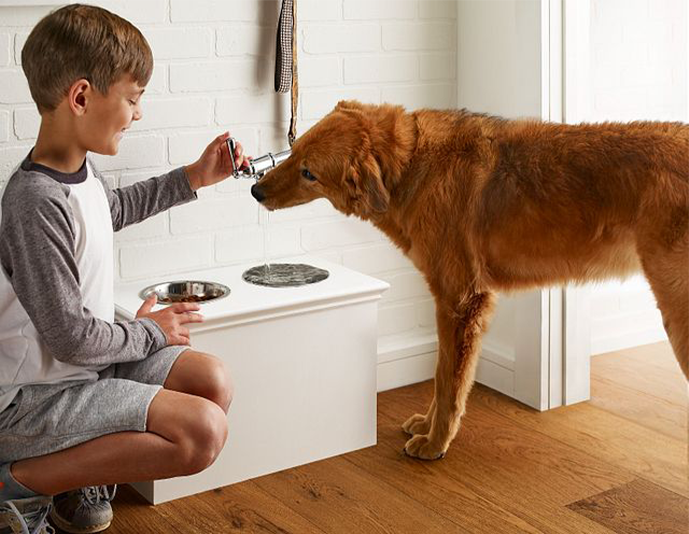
83	511
26	516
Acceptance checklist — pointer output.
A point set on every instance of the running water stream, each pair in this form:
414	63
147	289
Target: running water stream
264	220
280	274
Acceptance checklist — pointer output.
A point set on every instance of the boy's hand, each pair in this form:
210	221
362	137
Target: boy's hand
214	164
171	319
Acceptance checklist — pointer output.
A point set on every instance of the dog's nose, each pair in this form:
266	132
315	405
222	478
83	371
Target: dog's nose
257	193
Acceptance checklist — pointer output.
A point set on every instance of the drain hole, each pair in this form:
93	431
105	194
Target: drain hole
285	275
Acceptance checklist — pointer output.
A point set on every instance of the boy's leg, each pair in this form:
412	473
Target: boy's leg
202	375
184	435
180	369
190	379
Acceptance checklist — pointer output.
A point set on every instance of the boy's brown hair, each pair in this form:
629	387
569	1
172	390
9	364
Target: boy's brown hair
80	41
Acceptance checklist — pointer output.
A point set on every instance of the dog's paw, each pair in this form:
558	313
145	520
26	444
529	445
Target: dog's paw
416	424
421	447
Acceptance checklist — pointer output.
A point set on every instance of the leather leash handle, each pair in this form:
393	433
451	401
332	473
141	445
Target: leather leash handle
286	60
292	135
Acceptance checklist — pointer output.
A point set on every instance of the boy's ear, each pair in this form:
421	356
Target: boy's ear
78	96
367	187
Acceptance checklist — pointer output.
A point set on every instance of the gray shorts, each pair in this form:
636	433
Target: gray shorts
45	418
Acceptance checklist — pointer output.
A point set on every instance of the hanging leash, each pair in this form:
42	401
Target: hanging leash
286	78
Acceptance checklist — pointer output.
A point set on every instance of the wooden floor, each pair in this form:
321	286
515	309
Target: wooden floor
615	464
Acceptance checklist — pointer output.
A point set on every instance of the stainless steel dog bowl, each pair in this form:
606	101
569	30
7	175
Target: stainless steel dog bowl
186	291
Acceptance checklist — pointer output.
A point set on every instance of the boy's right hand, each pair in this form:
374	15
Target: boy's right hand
172	318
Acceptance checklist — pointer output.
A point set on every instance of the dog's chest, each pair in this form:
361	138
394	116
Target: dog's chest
414	254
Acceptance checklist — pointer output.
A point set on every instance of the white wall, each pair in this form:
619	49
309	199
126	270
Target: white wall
639	61
214	71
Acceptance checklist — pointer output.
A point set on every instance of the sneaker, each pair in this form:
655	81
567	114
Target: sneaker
83	511
26	516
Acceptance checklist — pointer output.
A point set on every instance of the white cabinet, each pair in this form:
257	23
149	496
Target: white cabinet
303	361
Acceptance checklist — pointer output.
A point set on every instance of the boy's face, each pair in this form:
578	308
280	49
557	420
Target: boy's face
108	116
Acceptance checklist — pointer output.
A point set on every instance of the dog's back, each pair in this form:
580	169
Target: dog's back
549	203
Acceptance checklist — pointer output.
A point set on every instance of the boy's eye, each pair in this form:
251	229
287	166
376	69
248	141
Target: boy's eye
306	174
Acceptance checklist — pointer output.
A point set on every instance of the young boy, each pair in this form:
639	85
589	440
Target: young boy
87	402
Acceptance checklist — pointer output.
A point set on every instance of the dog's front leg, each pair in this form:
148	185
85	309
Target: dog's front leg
459	335
419	423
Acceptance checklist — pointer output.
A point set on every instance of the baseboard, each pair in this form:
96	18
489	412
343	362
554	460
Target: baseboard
404	371
627	340
411	358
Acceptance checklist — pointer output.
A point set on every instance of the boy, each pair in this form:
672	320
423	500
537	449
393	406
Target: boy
86	402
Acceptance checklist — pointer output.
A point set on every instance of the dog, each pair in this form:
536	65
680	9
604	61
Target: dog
482	204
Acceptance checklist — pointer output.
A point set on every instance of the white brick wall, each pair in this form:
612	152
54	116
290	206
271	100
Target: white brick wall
381	69
181	254
380	9
4	126
13	89
419	36
5	54
337	38
172	43
639	64
214	72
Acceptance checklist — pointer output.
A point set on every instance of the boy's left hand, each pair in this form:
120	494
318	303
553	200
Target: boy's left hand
215	165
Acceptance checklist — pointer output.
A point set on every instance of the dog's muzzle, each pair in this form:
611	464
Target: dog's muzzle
257	193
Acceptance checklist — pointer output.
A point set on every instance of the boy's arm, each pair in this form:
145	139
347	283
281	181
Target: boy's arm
134	203
137	202
37	252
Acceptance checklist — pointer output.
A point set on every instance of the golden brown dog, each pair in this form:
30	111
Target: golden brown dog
482	204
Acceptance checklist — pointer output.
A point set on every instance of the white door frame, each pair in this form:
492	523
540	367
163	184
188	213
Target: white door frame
570	323
576	379
544	360
562	376
563	372
540	381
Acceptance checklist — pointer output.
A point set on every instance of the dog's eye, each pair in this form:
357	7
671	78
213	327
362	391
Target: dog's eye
306	174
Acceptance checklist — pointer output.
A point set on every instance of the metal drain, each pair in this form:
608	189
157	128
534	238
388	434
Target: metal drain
285	275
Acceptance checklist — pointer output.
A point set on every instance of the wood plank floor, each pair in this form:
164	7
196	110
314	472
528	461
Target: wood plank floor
616	464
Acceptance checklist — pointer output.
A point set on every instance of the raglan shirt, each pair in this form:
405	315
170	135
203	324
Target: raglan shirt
56	277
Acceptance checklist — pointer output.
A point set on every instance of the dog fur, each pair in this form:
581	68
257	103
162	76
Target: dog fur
482	204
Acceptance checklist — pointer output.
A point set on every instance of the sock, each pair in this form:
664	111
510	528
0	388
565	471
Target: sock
10	488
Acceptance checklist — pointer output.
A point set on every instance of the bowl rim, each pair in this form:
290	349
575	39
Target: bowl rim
145	292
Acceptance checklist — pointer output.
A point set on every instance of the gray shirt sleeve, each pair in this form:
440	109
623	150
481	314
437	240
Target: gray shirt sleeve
37	252
133	204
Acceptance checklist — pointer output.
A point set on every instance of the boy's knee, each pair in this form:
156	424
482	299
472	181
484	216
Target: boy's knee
204	438
220	384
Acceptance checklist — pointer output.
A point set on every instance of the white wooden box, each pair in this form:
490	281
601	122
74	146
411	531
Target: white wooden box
303	362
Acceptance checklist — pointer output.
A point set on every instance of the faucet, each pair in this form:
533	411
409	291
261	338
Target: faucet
257	166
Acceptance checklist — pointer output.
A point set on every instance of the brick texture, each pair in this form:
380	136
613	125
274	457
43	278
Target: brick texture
214	62
4	126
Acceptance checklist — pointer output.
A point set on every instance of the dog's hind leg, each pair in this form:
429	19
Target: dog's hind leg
460	329
666	266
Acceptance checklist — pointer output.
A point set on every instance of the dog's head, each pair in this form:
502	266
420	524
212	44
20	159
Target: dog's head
343	158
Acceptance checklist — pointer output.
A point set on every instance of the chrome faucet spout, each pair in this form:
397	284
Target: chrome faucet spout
257	166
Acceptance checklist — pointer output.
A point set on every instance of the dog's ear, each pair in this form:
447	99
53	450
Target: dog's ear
368	187
348	105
